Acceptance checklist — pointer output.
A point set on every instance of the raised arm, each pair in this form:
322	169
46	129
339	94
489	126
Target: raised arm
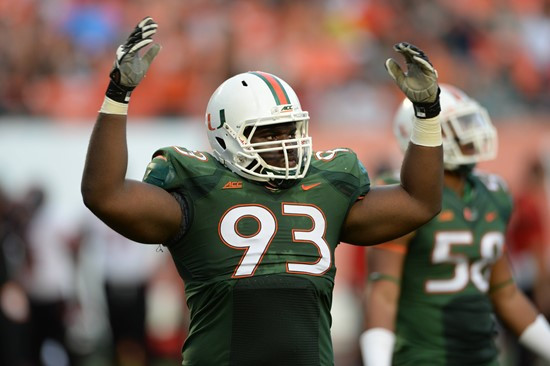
389	212
139	211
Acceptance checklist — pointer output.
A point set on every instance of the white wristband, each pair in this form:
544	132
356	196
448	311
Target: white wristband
427	132
111	107
377	346
536	337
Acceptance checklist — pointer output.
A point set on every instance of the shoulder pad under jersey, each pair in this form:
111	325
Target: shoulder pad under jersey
492	182
341	165
171	166
339	160
497	188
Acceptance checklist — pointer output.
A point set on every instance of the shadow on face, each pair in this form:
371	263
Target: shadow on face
274	133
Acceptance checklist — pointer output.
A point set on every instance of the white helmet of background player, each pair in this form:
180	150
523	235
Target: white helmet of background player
247	101
468	133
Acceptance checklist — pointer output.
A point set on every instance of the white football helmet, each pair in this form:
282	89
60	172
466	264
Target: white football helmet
245	102
468	133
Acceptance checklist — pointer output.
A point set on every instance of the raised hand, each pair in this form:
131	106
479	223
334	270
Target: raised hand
129	68
419	83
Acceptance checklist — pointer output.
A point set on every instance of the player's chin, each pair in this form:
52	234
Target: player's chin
279	161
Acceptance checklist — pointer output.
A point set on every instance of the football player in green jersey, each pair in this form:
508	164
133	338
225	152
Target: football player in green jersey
252	226
432	293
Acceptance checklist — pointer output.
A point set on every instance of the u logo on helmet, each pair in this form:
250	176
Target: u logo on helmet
222	120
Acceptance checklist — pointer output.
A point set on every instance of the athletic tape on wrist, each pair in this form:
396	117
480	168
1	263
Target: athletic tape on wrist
536	337
109	106
427	132
377	346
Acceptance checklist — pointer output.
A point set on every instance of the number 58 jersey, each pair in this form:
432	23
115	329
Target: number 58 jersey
258	264
445	313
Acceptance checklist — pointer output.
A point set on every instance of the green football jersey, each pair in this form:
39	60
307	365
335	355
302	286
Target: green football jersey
445	315
258	264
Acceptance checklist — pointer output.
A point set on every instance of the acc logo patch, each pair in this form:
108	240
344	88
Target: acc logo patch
233	185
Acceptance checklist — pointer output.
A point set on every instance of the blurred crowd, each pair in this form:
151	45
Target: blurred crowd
83	296
56	54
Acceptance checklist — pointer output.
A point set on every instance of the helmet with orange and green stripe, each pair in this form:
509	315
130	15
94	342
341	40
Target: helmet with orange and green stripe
240	116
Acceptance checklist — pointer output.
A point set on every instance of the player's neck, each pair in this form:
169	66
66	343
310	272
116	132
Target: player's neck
456	181
279	184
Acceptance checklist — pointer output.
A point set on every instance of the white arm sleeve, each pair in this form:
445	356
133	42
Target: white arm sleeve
536	337
377	347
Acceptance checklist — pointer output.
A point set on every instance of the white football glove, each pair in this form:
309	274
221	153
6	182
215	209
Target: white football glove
419	83
129	68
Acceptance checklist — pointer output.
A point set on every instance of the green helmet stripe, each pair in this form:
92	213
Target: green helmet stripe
275	85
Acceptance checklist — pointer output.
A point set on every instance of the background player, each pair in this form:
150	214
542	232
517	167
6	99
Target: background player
252	227
432	293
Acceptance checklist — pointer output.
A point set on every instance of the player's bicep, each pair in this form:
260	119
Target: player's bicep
143	212
384	214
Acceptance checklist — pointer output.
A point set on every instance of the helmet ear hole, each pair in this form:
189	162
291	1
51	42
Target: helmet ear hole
221	142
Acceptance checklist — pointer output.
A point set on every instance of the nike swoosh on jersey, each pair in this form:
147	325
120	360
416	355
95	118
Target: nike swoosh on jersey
309	186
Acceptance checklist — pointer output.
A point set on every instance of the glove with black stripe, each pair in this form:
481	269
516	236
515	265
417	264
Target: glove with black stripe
419	83
129	68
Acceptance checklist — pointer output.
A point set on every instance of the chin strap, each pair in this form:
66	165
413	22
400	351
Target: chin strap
278	184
